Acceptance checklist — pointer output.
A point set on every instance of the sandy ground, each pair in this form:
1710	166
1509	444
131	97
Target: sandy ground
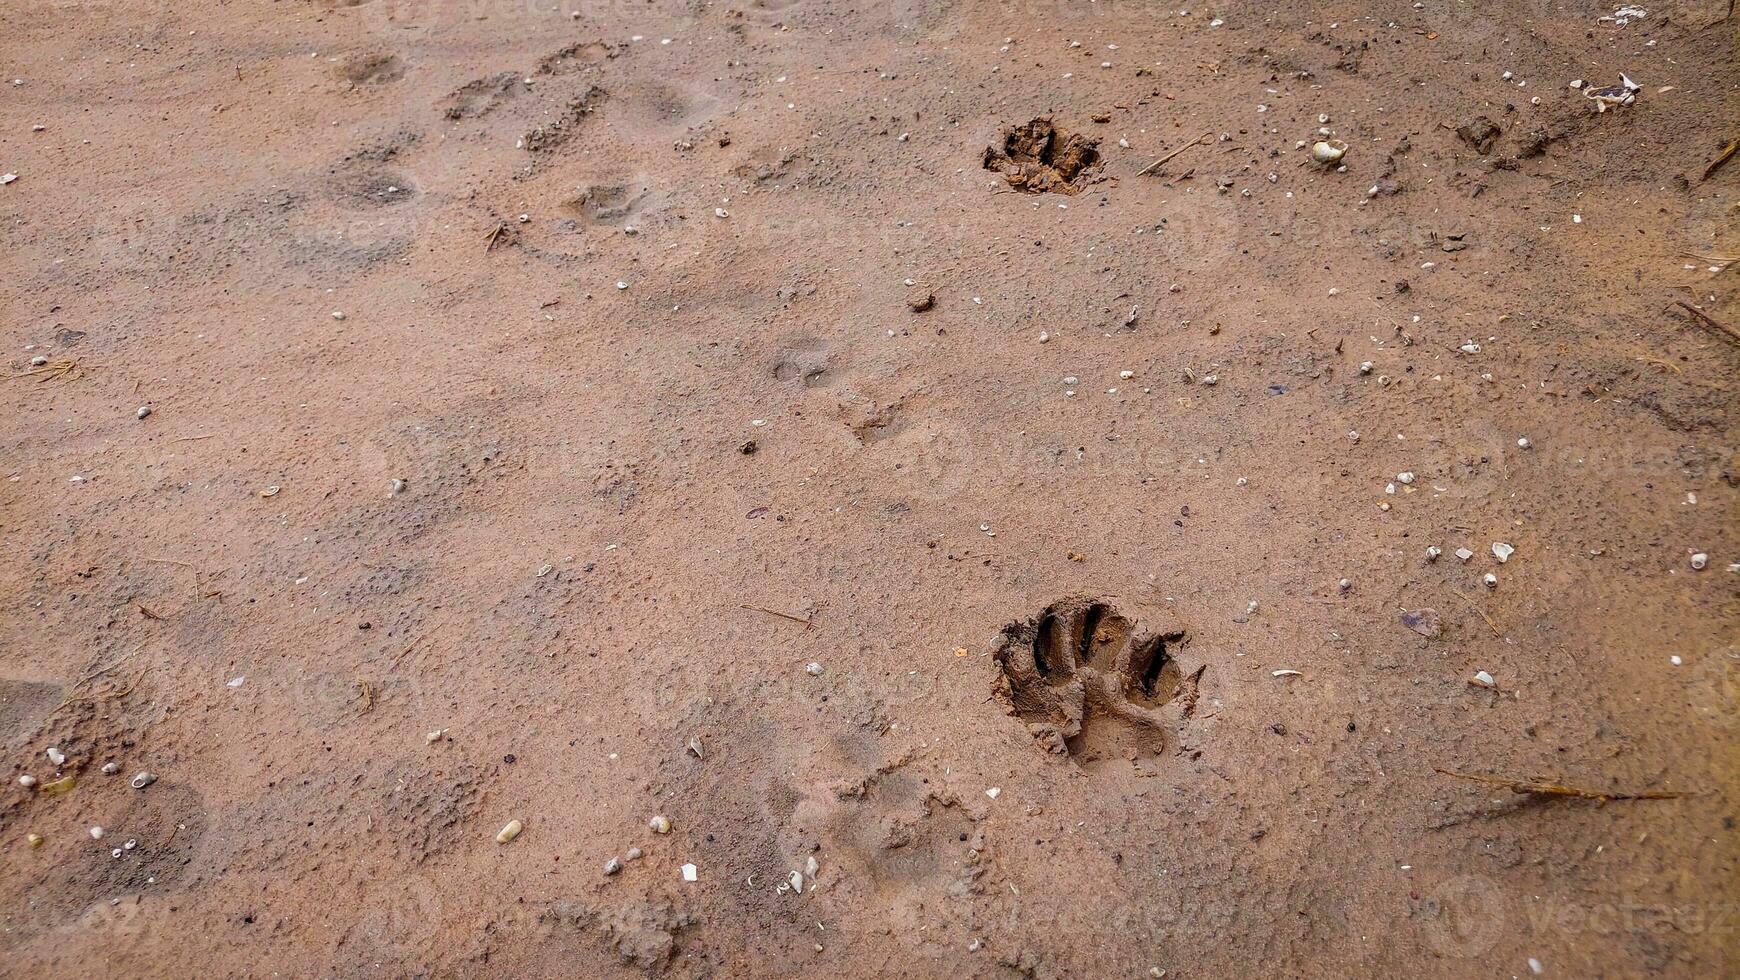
581	413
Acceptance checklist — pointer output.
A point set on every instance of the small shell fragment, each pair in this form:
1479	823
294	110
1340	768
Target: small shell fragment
27	780
1490	579
55	787
509	831
1328	151
659	824
97	833
1699	560
1286	673
632	854
1432	552
1405	477
612	866
56	756
1502	551
815	669
690	874
1464	554
695	747
110	768
1483	679
797	881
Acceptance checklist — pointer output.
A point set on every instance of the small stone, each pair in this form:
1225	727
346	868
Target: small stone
1044	336
612	866
1483	679
1423	621
398	487
96	833
56	756
659	824
39	360
1345	584
921	301
27	780
633	854
1405	477
1699	560
338	314
509	831
994	792
815	669
1523	443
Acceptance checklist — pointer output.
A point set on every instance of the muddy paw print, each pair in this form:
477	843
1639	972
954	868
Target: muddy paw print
1090	686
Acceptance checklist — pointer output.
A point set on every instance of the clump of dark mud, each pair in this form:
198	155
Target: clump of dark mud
1038	157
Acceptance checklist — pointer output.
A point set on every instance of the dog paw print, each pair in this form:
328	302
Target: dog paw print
1091	686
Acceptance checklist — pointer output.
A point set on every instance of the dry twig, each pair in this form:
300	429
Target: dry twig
1554	789
1145	170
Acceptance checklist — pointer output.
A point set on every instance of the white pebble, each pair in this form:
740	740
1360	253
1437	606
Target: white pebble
1483	679
1405	477
96	833
56	756
27	780
1464	554
815	669
690	873
338	314
143	411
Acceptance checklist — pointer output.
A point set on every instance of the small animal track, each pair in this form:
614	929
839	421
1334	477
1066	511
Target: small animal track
371	68
1037	157
806	360
578	56
617	204
481	96
1089	685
